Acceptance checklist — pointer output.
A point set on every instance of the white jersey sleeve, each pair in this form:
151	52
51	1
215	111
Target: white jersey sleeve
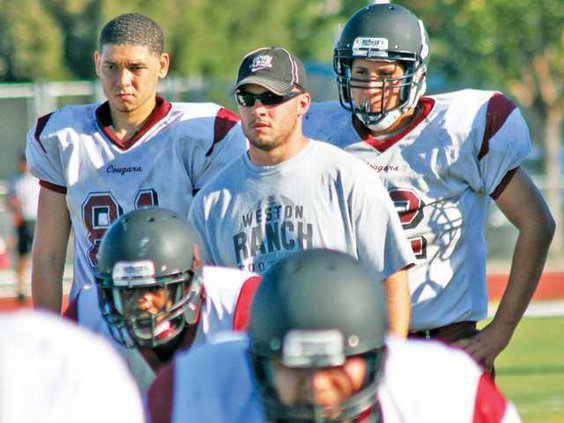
48	137
449	387
487	137
228	296
505	144
218	144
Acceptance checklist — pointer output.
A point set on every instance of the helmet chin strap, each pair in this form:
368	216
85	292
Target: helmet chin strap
381	124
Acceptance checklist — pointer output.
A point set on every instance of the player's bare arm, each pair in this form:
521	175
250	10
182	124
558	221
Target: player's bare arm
522	203
399	303
49	250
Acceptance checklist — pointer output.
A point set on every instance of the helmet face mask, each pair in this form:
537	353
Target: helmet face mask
133	327
382	32
148	291
295	334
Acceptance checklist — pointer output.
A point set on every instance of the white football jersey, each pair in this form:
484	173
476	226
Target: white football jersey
228	294
215	383
441	173
177	151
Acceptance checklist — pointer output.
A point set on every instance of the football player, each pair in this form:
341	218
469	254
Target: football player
317	352
97	161
442	158
155	296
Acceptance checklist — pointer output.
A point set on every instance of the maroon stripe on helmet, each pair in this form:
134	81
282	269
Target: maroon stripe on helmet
499	109
53	187
503	184
41	123
224	121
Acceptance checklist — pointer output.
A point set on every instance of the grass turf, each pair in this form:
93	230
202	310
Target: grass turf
530	371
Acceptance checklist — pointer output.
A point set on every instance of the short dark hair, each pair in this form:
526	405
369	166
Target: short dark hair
133	29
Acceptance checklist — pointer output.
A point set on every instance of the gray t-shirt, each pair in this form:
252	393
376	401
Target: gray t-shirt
251	216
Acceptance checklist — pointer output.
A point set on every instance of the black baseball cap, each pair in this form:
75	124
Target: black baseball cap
273	68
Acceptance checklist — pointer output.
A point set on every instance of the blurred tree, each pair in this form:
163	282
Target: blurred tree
30	43
210	38
79	21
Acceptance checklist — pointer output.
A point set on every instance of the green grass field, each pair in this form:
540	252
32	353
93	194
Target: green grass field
531	370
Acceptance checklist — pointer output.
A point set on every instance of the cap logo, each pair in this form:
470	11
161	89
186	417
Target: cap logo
263	61
362	46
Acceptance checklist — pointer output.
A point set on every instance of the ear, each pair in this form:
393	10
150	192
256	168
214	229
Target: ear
164	63
304	101
98	62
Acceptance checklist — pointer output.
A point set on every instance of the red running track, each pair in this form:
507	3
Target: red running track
551	287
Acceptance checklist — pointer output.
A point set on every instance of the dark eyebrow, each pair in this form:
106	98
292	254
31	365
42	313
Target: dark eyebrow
128	63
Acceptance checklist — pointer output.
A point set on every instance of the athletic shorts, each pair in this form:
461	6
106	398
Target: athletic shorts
24	233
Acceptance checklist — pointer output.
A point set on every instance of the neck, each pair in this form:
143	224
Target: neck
125	124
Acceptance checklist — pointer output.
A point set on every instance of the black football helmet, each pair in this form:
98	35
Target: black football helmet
153	249
386	32
314	309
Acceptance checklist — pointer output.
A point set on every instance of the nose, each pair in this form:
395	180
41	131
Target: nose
258	108
374	85
124	78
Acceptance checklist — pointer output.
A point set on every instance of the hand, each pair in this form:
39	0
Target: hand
485	346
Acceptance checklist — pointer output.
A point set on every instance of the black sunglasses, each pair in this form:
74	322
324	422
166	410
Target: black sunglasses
267	98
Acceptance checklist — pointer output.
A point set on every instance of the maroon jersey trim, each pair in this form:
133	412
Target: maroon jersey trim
71	312
224	121
427	104
53	187
490	405
499	109
503	184
243	306
104	118
41	123
160	395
